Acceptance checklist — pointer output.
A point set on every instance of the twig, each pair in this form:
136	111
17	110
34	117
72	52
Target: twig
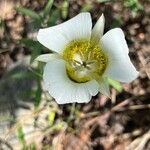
88	115
139	143
2	141
135	107
113	96
120	105
4	50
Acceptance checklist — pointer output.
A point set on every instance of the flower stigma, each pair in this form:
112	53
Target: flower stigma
85	60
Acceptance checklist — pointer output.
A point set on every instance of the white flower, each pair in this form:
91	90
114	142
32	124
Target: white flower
83	59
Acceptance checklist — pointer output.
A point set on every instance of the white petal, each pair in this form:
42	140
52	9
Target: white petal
114	43
93	87
98	29
48	57
56	37
122	70
104	89
65	90
103	86
120	66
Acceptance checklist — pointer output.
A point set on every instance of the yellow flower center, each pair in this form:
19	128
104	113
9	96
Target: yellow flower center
85	60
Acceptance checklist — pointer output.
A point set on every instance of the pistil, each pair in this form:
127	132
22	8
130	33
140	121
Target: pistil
84	60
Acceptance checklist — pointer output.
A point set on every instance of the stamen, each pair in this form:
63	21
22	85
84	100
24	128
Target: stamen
86	59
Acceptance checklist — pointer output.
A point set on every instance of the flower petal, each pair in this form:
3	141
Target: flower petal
122	70
56	37
120	66
104	88
93	87
48	57
65	90
114	43
98	29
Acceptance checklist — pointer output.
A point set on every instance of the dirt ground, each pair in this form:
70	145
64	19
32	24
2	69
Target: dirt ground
122	123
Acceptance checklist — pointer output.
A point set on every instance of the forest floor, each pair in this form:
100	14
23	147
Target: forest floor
120	123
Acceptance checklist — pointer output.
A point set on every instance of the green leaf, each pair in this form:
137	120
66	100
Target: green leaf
86	7
20	75
115	84
31	43
55	15
133	4
35	46
28	12
2	23
64	9
48	7
117	21
32	147
27	41
21	136
38	94
58	126
51	117
35	52
36	25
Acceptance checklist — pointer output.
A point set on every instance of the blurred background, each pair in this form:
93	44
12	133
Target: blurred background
31	120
